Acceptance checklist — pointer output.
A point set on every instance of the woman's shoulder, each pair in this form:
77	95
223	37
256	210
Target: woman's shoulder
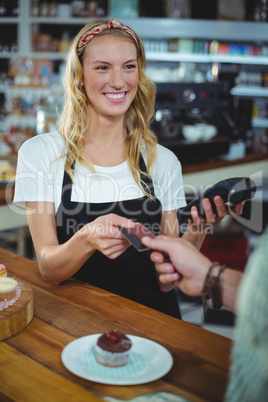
166	156
44	141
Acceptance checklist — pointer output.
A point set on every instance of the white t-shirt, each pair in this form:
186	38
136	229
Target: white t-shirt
40	173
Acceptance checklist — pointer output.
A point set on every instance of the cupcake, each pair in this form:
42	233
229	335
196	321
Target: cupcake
8	288
112	349
3	271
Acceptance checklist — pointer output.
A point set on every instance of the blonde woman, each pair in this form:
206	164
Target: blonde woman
103	169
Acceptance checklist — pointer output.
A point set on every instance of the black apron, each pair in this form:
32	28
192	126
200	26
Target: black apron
132	274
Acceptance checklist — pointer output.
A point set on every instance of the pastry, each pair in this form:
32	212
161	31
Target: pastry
112	349
8	288
3	271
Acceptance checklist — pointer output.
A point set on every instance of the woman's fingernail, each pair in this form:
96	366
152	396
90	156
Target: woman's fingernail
194	212
146	238
131	223
169	269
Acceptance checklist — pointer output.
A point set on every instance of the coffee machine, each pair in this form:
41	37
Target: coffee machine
194	120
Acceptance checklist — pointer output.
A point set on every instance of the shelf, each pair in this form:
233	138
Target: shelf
37	55
249	91
22	121
153	28
206	58
164	57
8	55
260	122
63	21
206	29
48	55
9	20
45	91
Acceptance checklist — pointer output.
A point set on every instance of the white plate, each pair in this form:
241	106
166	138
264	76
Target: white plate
147	362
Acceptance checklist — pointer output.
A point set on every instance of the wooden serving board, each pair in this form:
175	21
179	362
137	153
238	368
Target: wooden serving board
15	318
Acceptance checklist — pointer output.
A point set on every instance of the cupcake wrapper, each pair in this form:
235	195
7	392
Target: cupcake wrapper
109	358
5	296
8	303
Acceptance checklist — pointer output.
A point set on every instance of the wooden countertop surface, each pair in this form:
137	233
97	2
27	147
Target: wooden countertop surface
30	361
217	164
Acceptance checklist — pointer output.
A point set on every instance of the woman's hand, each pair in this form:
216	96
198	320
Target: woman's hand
104	236
211	217
198	227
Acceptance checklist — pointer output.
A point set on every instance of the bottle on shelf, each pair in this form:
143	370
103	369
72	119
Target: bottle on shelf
64	10
9	8
78	8
177	9
53	10
231	10
35	9
91	9
64	42
14	8
261	11
43	9
3	9
34	37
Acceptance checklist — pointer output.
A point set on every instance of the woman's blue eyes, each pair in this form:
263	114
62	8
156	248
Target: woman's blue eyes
128	67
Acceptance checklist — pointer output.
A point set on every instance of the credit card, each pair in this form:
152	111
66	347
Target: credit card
135	234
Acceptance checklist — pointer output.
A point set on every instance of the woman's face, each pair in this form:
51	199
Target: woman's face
111	75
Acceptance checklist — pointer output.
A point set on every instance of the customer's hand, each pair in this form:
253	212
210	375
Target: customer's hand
187	268
103	234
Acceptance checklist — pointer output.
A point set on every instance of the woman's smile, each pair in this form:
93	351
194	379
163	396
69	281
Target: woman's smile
115	97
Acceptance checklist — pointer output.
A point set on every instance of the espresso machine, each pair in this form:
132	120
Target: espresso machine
194	120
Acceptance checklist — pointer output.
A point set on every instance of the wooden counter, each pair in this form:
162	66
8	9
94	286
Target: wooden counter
30	362
198	177
217	164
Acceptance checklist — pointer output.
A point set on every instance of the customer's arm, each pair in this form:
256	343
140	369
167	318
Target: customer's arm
188	269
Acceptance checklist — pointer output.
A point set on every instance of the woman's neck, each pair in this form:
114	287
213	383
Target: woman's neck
106	131
105	143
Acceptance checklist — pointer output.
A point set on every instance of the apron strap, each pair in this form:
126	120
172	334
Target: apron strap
146	179
67	185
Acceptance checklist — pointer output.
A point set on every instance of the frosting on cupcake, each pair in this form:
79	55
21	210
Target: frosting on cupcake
114	341
3	271
8	288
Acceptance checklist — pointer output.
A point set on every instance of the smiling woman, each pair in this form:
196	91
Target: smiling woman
101	170
110	81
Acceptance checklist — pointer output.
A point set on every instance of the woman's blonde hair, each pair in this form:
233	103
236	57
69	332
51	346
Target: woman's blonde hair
73	119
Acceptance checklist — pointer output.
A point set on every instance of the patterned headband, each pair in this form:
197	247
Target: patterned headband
112	24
